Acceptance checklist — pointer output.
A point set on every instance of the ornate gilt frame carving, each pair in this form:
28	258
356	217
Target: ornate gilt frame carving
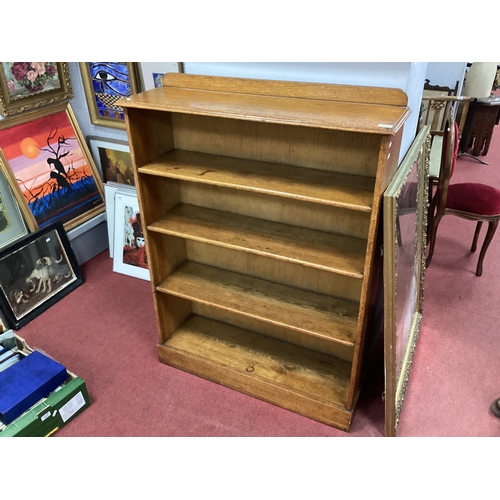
13	106
406	202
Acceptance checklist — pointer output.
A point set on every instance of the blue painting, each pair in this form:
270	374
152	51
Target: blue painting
157	78
110	81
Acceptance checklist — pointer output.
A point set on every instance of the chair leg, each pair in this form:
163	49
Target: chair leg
398	232
476	236
433	227
492	227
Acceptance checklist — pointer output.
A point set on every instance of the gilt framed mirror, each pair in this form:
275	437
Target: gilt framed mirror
406	203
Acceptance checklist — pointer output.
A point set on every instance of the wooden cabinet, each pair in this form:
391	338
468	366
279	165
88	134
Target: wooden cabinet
260	202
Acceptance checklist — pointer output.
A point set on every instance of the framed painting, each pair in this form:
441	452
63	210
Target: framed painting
50	169
4	326
12	225
152	72
35	273
104	84
110	190
112	159
129	248
406	202
25	86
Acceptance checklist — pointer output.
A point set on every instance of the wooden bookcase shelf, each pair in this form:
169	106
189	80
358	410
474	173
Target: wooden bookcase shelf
261	206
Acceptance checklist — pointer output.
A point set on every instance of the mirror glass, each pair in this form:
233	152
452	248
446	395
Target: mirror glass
405	220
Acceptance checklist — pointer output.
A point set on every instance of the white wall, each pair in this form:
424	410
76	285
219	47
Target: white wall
446	73
408	76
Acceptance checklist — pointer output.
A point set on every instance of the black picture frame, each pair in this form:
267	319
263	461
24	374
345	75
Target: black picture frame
35	273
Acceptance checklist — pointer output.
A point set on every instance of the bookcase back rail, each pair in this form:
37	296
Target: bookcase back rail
282	88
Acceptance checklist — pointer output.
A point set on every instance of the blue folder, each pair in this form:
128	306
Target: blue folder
25	383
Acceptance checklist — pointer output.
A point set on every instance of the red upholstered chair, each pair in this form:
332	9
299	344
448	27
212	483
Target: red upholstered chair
469	200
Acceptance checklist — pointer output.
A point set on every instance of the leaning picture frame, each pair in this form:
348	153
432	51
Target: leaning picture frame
113	159
110	190
104	83
25	86
405	222
152	72
49	168
35	273
12	225
130	256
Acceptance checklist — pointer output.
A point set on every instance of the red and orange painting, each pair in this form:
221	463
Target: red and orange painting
50	168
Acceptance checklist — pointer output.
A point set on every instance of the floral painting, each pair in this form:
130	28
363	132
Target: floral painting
52	168
25	78
28	85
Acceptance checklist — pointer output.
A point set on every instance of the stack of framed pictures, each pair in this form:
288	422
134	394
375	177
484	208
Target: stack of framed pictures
125	234
49	185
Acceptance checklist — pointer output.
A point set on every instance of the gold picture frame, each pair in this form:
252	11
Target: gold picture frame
27	86
104	83
406	202
49	168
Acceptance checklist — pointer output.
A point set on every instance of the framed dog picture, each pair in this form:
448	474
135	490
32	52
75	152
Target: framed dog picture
104	84
129	248
35	273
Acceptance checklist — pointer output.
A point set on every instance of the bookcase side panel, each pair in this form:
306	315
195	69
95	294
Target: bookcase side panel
150	134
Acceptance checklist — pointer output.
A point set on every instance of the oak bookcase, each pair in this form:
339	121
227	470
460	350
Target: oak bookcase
261	205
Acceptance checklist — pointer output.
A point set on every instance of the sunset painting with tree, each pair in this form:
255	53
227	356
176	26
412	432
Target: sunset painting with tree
50	168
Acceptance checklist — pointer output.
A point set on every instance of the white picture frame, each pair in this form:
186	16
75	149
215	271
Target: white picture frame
151	72
129	252
110	190
12	224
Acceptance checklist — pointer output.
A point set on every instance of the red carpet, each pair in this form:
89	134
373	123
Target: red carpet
456	370
105	332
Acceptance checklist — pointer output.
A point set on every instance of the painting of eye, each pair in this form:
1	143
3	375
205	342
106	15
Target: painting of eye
105	83
110	79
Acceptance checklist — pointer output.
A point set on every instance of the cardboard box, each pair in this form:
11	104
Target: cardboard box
51	413
23	384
